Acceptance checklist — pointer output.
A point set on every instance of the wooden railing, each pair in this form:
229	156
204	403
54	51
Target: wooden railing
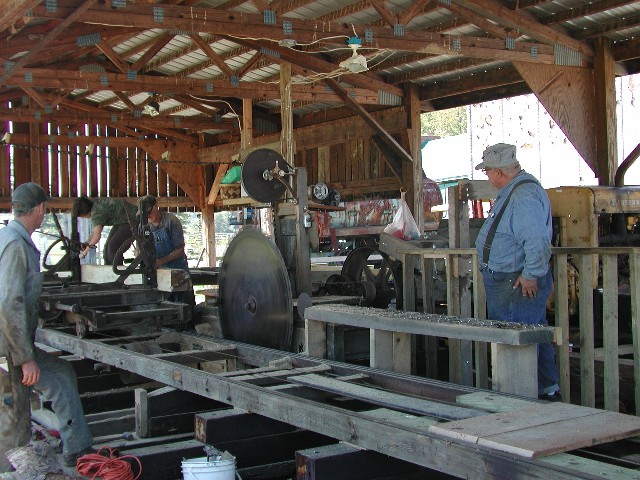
468	364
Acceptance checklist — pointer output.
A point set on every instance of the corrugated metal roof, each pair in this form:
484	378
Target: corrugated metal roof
394	37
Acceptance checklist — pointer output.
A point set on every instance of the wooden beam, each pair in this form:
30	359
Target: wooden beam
215	186
366	81
151	52
111	54
211	428
332	132
568	96
64	79
495	11
606	139
210	52
387	15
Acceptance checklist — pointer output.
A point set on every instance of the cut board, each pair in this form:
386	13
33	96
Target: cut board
541	430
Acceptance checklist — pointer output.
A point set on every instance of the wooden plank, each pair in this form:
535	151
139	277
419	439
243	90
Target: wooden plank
493	402
430	324
590	467
542	430
381	349
187	357
382	397
276	375
561	307
610	332
587	367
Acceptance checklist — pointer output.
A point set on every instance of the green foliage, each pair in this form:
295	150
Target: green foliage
444	123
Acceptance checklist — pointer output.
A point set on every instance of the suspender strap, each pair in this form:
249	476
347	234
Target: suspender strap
494	226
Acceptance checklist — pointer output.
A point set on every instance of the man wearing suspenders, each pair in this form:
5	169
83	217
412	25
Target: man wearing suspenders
514	245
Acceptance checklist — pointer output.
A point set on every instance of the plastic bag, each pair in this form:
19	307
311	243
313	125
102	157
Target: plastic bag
403	225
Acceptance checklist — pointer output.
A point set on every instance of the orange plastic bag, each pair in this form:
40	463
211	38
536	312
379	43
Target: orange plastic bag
403	225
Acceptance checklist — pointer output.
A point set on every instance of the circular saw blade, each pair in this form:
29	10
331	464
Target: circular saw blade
255	292
253	181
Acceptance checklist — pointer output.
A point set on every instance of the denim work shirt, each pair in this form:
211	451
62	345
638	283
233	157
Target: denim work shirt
20	288
523	239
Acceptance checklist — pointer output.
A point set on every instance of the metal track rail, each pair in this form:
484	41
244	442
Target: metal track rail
297	390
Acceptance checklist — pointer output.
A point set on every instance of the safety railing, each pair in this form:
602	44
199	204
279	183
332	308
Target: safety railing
587	292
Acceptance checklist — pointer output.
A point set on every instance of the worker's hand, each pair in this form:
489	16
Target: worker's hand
529	287
30	373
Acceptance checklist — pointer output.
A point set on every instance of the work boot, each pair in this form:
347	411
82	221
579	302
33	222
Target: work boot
550	397
70	459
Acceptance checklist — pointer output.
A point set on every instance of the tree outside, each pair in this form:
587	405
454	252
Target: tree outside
444	123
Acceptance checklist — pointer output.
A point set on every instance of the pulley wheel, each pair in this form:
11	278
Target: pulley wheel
362	265
255	165
255	293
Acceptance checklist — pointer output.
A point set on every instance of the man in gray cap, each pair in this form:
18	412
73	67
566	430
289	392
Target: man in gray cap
514	248
50	376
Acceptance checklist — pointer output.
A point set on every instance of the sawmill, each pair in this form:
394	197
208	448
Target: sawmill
324	343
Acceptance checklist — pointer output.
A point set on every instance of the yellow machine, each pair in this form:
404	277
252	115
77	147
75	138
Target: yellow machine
596	216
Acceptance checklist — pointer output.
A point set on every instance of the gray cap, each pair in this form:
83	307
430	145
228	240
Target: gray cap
28	195
499	155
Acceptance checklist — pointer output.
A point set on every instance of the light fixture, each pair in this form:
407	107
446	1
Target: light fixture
166	155
152	108
356	63
89	149
6	138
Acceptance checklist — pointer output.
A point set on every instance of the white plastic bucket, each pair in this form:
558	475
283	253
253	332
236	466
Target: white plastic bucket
204	469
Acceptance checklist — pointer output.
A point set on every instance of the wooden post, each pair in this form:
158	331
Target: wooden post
561	307
209	235
605	109
413	121
381	349
515	369
610	331
315	338
587	359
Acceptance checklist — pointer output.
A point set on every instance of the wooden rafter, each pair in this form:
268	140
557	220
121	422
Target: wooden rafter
168	85
417	7
387	15
209	52
152	51
14	12
57	30
111	54
506	17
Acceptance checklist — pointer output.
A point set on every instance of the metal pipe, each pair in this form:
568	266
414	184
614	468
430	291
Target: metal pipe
624	166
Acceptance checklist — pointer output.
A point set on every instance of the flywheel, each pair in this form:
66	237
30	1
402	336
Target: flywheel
371	265
256	304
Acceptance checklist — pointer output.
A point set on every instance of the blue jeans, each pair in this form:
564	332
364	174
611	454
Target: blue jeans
507	304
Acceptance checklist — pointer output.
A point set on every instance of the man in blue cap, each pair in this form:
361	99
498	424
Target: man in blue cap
514	248
50	376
